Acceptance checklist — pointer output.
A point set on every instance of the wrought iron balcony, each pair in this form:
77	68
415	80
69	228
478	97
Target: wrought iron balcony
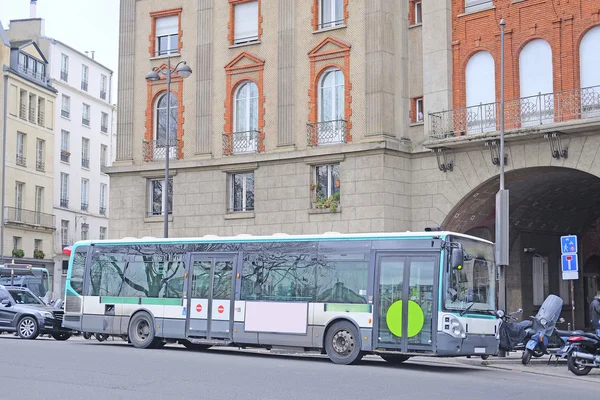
330	24
156	150
21	160
65	113
240	142
84	86
23	111
521	113
64	75
41	119
21	216
102	210
85	121
31	72
104	129
64	202
327	132
84	206
103	94
40	166
32	115
64	156
85	162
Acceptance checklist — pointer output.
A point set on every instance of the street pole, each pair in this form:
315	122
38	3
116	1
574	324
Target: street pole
502	25
167	156
4	115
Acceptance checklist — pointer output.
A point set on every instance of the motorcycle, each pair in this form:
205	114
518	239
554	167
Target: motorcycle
544	333
512	334
582	353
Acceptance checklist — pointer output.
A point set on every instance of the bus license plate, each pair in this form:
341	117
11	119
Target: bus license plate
480	350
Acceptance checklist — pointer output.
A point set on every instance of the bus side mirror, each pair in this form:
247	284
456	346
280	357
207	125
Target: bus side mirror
457	257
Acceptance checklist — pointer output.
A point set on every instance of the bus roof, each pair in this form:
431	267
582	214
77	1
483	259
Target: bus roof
283	237
2	266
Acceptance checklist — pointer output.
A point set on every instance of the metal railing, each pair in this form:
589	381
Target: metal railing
103	94
240	142
104	129
327	132
28	217
85	121
330	24
21	160
521	113
85	162
23	111
64	156
40	166
84	86
64	202
41	119
102	210
31	72
64	75
156	150
31	114
65	113
84	206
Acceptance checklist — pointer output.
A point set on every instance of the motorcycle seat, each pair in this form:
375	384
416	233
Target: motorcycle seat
568	333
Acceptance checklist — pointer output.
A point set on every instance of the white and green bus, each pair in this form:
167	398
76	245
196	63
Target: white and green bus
36	279
346	295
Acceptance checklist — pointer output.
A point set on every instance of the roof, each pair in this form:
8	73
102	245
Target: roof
3	36
17	44
55	41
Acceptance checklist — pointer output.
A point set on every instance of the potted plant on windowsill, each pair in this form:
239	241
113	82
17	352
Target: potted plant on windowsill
332	202
38	254
18	253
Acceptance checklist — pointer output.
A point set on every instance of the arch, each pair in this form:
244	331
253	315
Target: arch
331	95
535	77
592	266
480	89
245	107
161	119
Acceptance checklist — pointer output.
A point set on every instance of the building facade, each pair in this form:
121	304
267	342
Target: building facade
356	116
28	219
84	118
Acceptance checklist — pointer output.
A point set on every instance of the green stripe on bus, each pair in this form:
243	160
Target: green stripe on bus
119	300
161	302
348	307
138	300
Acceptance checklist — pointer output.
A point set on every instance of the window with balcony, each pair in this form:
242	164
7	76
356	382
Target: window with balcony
167	35
17	242
38	245
104	122
85	193
41	110
31	66
326	187
39	204
65	154
84	77
64	190
331	13
64	233
160	127
85	153
102	235
155	196
23	104
32	108
241	192
245	117
103	155
480	82
19	196
85	115
103	86
64	67
245	22
65	109
39	155
536	84
20	157
331	124
103	190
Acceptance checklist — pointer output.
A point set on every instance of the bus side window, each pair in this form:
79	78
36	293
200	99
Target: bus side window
77	271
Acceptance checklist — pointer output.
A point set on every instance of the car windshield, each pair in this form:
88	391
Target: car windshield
24	297
473	287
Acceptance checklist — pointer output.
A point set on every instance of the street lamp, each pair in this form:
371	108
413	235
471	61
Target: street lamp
183	70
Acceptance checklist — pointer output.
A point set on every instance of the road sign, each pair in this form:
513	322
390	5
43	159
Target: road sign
221	309
570	275
199	308
17	266
568	244
569	263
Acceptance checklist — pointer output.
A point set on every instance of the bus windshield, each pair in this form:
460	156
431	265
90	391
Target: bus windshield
35	279
472	288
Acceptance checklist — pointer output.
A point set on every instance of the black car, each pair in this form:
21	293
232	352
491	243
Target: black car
23	312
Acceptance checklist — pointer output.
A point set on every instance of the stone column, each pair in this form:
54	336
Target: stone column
126	81
286	72
203	72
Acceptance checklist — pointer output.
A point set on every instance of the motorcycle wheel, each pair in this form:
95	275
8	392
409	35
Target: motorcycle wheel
526	357
537	354
101	337
87	335
576	367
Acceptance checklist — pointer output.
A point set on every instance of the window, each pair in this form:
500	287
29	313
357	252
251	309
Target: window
245	111
39	204
102	199
32	107
418	13
85	152
64	238
342	281
590	76
85	193
327	186
37	245
19	193
78	267
85	115
241	192
16	242
104	122
480	80
167	35
160	127
64	190
64	67
331	13
20	158
84	77
103	155
31	66
102	235
155	196
39	155
540	279
85	231
65	109
64	146
23	104
41	110
419	109
246	22
103	86
535	77
331	107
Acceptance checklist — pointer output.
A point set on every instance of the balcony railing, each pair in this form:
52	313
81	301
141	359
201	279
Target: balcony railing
85	121
23	111
64	75
104	129
28	217
102	210
64	202
156	150
85	162
84	206
40	165
21	160
330	24
41	119
103	94
31	72
32	115
84	86
65	113
328	132
240	142
64	156
521	113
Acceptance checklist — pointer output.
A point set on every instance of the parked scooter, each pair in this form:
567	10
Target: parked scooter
513	334
543	329
583	353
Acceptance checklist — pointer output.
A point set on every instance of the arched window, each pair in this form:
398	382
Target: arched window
589	58
535	77
332	126
160	125
480	88
245	114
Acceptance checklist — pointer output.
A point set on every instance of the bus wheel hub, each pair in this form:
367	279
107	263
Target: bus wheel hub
343	342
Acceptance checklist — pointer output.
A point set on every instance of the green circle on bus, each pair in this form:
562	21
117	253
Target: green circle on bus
416	318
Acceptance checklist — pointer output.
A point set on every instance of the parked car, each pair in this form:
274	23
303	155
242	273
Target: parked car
23	312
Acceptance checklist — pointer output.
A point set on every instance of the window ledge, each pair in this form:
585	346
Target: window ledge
240	215
329	29
417	123
165	57
476	10
86	126
252	43
67	118
415	25
158	218
324	211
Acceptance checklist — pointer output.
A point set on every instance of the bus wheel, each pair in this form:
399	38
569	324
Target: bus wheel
342	343
141	331
61	336
394	359
28	328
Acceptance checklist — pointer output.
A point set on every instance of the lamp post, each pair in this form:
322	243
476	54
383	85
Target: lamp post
184	71
5	70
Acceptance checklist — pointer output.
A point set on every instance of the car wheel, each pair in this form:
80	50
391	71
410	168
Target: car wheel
61	336
342	343
27	328
141	331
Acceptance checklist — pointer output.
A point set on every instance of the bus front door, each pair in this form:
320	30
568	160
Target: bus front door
210	297
405	294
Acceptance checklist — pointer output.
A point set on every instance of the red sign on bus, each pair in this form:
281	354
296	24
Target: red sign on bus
199	308
221	309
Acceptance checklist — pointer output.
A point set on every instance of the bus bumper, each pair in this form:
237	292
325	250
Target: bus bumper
472	345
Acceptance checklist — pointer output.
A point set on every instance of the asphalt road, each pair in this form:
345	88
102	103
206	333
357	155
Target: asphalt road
77	369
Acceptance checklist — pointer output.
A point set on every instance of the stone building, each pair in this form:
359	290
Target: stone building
364	116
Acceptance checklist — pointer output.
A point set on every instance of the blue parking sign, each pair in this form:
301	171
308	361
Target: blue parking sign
569	263
568	244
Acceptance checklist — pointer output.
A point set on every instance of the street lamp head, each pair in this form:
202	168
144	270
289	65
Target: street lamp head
153	76
184	71
502	22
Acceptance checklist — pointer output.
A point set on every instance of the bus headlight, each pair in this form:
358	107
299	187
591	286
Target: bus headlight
454	327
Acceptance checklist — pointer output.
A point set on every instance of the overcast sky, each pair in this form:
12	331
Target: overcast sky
82	24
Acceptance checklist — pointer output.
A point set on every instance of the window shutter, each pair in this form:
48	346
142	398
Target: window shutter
167	25
246	22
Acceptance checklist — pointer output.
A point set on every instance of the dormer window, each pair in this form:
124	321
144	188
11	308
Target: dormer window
32	67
